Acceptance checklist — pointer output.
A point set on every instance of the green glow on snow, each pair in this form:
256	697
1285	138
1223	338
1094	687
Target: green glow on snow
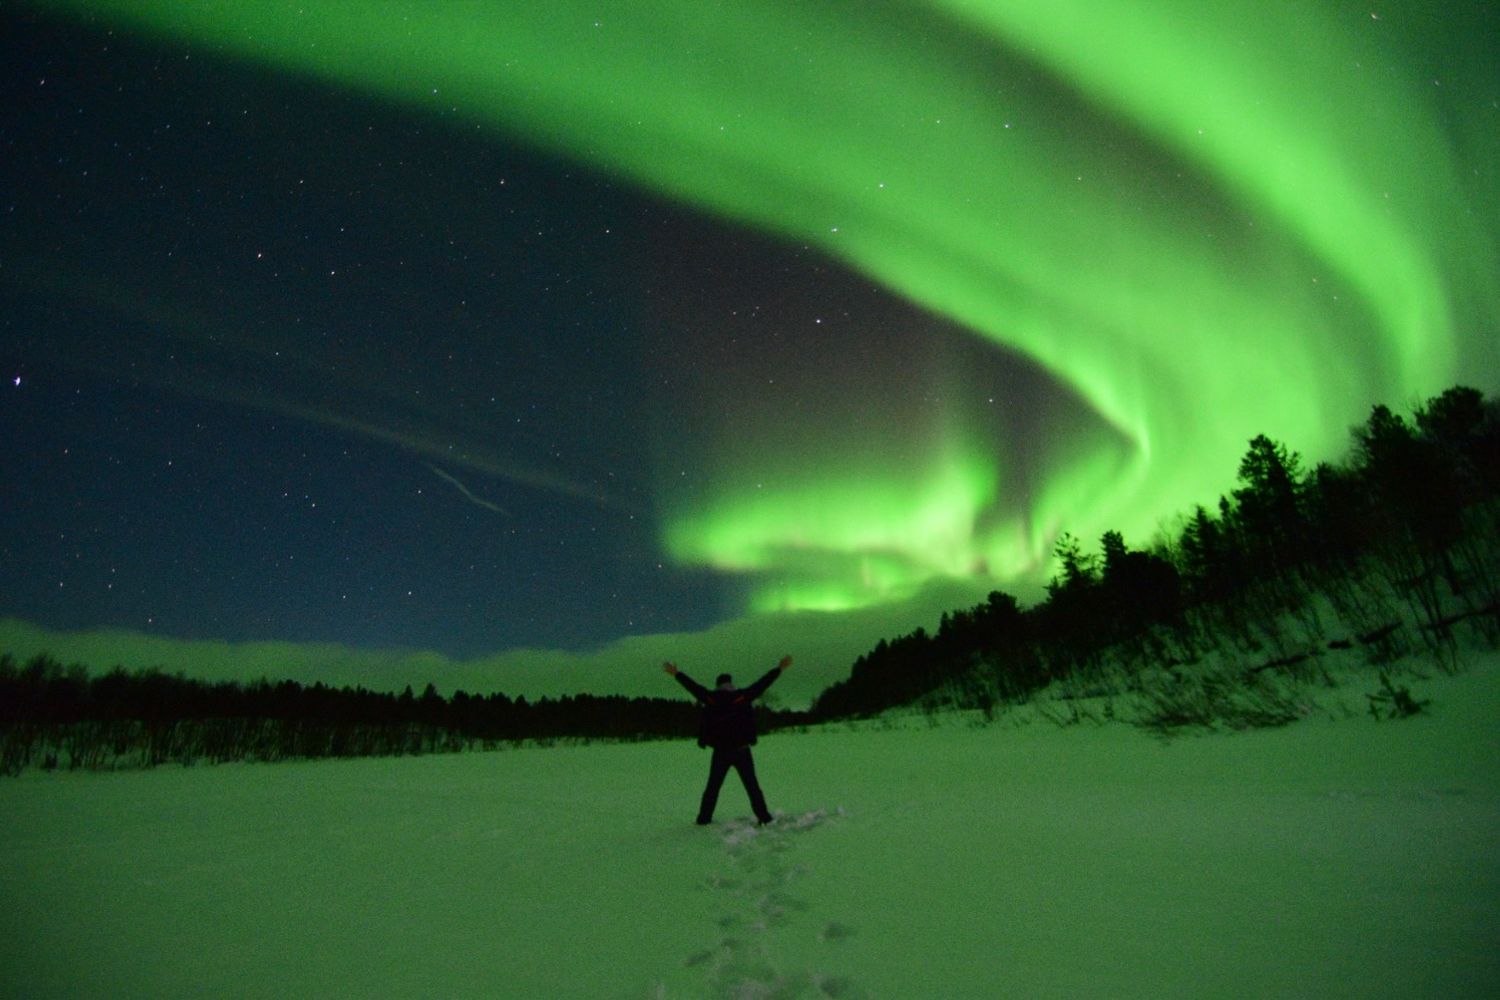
1209	219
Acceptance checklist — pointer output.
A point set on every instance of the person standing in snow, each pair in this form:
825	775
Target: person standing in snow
728	726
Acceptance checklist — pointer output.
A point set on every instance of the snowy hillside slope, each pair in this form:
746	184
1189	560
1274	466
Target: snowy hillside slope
1329	858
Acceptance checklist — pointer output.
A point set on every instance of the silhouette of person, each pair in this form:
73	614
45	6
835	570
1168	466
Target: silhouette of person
728	726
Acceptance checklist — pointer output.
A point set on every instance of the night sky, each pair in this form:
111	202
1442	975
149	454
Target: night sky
475	329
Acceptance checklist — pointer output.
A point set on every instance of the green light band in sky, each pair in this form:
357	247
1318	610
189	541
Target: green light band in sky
1210	219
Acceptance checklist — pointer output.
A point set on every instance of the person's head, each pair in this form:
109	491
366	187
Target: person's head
724	682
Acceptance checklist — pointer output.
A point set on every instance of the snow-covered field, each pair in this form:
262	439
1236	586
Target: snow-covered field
1331	858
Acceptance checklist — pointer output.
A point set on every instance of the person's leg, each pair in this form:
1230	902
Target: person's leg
718	767
744	763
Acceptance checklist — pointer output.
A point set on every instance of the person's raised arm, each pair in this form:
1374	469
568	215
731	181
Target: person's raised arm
759	687
698	691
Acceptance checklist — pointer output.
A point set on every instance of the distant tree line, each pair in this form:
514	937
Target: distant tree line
1395	547
53	716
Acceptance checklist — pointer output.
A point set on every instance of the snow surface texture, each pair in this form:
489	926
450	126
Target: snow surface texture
757	894
1329	858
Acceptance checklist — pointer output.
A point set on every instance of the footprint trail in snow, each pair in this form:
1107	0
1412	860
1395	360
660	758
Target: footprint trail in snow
759	893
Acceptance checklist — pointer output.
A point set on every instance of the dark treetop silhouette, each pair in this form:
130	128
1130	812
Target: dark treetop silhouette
728	726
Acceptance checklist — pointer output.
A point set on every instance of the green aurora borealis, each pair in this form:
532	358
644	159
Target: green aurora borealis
1206	219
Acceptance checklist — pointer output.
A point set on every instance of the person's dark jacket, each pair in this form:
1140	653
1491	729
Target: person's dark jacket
726	722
